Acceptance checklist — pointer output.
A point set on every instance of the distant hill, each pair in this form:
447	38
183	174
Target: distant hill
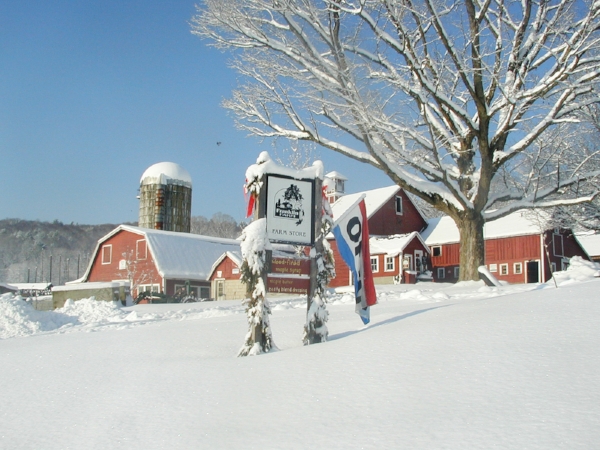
28	246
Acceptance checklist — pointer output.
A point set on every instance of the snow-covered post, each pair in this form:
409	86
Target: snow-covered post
255	246
321	272
256	250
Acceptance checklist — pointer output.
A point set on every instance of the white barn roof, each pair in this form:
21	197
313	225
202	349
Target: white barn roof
392	245
374	200
590	242
443	230
179	255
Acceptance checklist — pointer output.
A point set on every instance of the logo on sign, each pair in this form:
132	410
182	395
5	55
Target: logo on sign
288	204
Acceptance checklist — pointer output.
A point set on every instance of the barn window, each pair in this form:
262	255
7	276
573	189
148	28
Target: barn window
398	205
235	270
557	243
374	264
106	254
456	272
389	264
493	267
441	272
436	251
122	264
141	249
518	268
503	269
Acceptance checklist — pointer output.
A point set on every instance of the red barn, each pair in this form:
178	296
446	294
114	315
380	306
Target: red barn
158	261
516	250
390	212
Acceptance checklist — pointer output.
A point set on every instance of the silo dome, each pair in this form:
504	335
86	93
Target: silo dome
166	198
166	173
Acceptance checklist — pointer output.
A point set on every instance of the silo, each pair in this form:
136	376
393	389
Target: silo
166	198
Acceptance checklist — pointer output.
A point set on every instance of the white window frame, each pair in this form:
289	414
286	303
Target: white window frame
433	255
398	205
389	259
504	269
518	268
123	264
456	272
137	250
493	267
154	288
375	264
235	270
104	249
441	273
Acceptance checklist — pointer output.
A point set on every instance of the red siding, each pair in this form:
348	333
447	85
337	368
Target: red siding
513	251
386	222
342	273
124	247
226	267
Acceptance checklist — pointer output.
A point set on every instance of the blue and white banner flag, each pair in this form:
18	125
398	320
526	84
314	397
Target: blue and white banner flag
351	233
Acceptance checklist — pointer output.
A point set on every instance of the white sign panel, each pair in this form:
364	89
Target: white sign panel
290	209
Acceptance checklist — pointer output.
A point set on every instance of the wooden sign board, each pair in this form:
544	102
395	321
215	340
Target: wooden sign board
290	266
288	285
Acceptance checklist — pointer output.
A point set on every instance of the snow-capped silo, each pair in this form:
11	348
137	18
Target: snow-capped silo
166	198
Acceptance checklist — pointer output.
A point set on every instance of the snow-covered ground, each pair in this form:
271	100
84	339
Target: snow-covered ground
440	366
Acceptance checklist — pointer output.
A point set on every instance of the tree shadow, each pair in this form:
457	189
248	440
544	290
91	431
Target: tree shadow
385	322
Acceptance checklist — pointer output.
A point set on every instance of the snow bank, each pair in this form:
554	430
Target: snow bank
19	318
579	270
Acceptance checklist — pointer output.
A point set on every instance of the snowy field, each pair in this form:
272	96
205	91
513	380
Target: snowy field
439	367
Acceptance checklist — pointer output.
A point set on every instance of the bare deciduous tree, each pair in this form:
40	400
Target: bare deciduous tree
454	100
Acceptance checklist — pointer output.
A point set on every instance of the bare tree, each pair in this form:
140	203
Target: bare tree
449	98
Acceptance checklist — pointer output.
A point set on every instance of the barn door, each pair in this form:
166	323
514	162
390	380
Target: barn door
533	271
419	261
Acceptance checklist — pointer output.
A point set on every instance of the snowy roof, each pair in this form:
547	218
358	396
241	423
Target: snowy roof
8	286
443	230
236	257
94	285
336	175
166	173
590	242
374	200
265	165
32	286
392	245
180	255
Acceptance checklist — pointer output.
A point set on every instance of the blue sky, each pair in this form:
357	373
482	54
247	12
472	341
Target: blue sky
94	92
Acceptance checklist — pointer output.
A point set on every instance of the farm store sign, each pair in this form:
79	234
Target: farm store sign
290	210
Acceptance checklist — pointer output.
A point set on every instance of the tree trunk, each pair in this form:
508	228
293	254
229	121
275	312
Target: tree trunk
472	246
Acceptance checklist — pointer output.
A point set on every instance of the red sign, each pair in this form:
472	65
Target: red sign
290	266
288	285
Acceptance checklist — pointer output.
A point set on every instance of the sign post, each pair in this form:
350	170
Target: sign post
287	208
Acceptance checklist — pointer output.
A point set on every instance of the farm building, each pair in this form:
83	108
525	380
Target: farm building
402	258
390	213
516	249
166	198
590	241
171	263
225	277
